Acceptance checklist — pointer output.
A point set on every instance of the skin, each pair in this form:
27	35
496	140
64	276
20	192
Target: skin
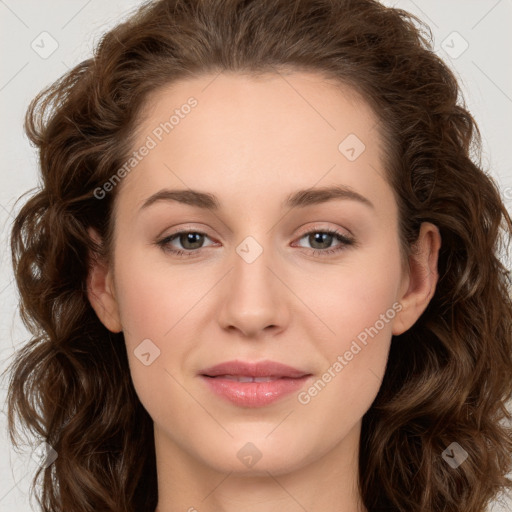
252	141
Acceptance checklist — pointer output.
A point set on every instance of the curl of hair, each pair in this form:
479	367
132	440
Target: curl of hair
448	377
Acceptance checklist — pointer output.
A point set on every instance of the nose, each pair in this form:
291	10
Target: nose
253	299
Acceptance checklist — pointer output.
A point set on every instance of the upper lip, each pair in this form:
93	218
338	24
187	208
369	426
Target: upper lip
248	369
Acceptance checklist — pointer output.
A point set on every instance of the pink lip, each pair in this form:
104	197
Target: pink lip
261	369
285	380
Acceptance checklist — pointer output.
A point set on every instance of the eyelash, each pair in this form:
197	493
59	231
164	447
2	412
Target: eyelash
345	241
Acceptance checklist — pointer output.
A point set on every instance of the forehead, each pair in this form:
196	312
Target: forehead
274	101
232	133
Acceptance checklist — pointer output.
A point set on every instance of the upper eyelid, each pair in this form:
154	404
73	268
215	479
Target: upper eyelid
304	231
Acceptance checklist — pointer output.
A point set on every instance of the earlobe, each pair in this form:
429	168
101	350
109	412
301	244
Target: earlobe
100	289
422	278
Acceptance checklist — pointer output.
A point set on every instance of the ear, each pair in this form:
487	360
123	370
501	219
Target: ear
418	287
100	289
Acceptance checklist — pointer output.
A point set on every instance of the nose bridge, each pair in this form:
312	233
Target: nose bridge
253	300
252	278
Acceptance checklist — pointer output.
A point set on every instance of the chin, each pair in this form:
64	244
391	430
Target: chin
258	455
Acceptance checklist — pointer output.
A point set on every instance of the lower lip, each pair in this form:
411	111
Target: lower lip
254	394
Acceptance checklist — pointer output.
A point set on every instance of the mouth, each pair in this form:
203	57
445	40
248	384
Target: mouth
247	384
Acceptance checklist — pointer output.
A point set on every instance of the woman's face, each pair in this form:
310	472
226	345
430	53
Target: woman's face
261	277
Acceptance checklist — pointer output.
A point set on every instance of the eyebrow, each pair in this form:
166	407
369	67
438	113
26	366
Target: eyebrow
298	199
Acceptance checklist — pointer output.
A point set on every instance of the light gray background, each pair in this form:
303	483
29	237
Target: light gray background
76	25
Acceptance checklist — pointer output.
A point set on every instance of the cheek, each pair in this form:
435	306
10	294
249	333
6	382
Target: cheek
359	309
152	298
153	314
161	303
353	296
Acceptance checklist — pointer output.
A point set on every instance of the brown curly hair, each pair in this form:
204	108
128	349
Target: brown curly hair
448	378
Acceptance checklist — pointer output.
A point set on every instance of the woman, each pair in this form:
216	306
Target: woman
196	345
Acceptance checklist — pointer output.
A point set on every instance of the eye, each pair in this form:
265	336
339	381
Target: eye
192	242
325	237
